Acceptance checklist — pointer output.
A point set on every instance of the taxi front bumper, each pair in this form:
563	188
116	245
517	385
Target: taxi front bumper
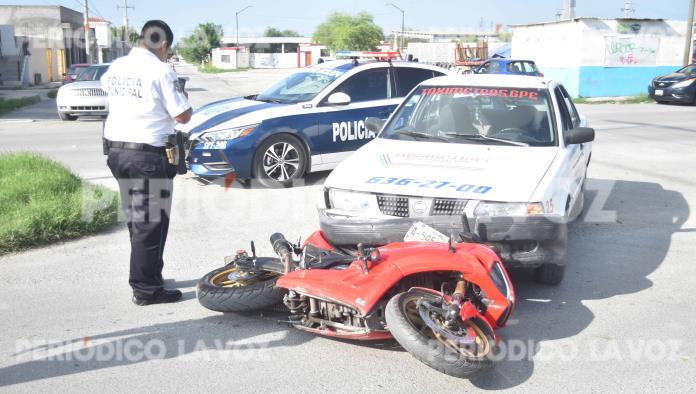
520	241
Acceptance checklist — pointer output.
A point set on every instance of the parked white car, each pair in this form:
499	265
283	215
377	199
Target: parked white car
84	96
508	155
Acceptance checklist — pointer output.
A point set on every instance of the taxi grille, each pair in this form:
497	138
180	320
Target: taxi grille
399	206
89	92
87	108
393	205
448	207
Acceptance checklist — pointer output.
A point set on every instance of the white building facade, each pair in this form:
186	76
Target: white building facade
596	57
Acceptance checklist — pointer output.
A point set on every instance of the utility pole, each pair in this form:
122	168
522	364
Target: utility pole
628	9
85	16
236	21
689	34
403	29
125	7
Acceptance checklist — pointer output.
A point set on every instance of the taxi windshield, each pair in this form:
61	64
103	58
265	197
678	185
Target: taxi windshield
475	115
300	86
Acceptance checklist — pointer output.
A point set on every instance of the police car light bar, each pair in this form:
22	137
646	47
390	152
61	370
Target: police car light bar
369	54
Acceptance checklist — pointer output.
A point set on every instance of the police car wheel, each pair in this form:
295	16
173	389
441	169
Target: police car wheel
280	160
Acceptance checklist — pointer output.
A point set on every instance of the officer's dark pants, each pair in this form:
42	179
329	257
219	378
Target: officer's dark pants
145	183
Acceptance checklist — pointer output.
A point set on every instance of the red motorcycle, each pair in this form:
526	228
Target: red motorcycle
441	301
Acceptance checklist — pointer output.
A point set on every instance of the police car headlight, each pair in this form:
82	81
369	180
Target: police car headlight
345	200
497	209
227	134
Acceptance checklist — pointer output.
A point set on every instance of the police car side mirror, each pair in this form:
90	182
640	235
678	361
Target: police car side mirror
338	98
374	124
580	135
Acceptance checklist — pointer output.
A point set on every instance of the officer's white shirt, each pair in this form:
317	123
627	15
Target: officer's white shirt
144	96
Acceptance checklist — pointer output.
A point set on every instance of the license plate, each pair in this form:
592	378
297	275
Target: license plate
215	145
659	92
420	231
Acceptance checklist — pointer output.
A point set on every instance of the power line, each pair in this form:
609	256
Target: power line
125	7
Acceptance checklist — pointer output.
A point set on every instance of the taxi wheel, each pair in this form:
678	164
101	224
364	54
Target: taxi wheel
279	161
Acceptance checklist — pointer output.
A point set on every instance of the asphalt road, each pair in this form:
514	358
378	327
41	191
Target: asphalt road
623	319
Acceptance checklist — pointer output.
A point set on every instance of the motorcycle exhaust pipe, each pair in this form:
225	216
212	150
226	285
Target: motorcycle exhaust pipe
283	248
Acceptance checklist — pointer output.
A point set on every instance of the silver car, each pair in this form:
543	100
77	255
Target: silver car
84	96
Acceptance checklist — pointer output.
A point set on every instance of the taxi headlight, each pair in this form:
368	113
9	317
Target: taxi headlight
227	134
65	92
352	201
497	209
683	84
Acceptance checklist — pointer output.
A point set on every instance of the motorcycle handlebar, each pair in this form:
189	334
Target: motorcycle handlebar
281	246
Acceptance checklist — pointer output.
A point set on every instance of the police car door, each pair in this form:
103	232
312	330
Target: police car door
341	128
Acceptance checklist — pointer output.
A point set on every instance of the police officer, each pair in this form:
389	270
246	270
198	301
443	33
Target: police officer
145	102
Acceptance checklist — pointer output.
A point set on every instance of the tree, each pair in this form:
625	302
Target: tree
505	36
347	32
273	32
118	33
197	47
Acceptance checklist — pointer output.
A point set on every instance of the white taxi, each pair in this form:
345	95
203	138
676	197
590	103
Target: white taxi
505	156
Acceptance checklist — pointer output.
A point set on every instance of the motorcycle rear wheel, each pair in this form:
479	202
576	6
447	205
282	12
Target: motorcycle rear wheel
228	290
431	348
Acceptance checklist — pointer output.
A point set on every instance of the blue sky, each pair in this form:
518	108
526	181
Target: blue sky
304	15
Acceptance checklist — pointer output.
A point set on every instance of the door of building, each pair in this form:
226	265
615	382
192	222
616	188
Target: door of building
49	64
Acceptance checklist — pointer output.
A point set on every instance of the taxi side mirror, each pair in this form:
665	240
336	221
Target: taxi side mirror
579	135
374	124
338	98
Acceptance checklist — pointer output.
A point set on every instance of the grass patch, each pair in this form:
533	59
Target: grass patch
43	202
7	105
210	69
52	93
639	99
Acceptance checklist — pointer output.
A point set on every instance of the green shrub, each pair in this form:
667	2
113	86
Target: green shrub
7	105
210	69
42	202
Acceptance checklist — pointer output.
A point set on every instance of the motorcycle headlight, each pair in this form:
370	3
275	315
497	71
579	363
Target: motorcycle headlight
352	201
227	134
684	84
495	209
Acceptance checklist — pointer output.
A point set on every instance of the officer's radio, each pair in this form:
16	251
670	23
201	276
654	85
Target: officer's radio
176	151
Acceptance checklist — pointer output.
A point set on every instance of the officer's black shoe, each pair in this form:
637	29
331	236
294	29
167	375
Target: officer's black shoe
161	297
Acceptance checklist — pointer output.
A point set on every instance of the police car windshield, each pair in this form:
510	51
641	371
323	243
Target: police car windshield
475	115
300	86
92	73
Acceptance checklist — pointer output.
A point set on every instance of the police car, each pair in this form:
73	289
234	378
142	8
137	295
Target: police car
308	121
505	156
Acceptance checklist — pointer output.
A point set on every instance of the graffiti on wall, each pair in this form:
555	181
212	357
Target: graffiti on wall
627	51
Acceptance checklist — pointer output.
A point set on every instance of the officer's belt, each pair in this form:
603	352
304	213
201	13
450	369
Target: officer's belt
136	146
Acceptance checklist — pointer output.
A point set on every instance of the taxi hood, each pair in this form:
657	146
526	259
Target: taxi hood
447	170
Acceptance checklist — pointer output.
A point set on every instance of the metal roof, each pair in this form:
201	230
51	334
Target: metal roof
592	18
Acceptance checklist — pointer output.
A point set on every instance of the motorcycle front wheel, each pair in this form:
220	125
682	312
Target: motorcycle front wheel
228	289
453	352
